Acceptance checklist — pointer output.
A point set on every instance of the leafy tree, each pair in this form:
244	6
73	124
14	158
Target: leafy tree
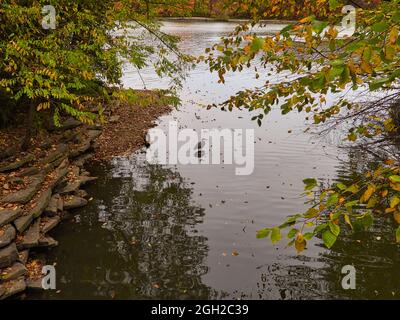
317	65
65	68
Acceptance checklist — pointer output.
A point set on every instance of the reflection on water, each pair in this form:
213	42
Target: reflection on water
189	231
137	239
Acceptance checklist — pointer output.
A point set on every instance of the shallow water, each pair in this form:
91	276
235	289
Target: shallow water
190	231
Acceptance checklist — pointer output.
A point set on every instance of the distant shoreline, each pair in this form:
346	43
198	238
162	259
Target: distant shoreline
233	20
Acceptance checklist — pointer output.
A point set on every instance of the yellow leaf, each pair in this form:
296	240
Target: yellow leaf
347	220
366	67
300	243
395	186
394	33
368	193
394	201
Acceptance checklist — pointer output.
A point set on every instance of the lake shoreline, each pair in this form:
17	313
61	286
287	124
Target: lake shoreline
232	20
40	187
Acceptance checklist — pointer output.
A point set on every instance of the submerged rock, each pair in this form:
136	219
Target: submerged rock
49	223
72	202
75	185
47	242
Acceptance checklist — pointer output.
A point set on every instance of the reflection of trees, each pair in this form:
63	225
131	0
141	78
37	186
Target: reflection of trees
374	254
137	239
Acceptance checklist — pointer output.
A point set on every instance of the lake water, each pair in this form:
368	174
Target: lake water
189	231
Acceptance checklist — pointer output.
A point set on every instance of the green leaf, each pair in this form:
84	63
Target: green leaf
292	233
380	26
375	85
334	4
287	28
332	200
341	186
394	178
276	235
264	233
329	238
310	183
311	213
335	229
363	222
320	227
308	235
319	26
256	44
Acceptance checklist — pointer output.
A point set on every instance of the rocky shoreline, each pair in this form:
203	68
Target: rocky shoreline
40	187
38	190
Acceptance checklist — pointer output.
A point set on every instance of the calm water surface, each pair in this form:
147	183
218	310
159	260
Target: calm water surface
189	231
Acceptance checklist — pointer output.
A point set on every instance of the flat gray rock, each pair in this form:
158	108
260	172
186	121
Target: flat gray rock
75	185
30	238
23	222
47	242
9	215
60	151
25	195
17	164
29	171
72	202
49	223
15	271
52	207
70	187
41	203
7	235
8	255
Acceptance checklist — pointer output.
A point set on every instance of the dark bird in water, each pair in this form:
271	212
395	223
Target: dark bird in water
147	141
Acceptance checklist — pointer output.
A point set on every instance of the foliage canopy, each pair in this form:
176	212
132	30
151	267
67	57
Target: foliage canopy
324	75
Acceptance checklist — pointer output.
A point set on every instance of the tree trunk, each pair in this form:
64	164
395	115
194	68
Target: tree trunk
26	142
